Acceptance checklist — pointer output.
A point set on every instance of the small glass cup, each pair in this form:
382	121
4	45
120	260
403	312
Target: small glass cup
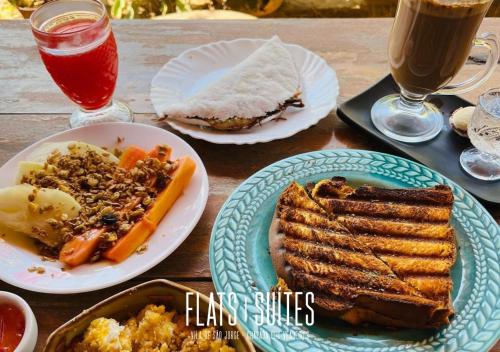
483	160
78	48
429	43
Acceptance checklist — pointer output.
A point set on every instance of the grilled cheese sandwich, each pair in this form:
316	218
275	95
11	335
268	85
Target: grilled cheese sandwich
370	255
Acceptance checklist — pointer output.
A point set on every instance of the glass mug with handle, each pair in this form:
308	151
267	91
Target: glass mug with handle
429	43
78	48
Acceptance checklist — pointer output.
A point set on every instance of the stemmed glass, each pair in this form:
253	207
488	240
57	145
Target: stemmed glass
483	161
429	43
78	48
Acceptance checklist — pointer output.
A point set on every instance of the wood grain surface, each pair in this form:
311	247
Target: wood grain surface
32	107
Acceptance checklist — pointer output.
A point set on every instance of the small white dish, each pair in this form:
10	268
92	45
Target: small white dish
30	336
16	258
196	68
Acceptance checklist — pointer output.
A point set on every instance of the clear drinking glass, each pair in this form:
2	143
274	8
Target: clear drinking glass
483	161
78	48
429	43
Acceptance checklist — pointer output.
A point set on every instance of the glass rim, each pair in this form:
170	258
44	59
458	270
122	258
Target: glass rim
102	17
482	103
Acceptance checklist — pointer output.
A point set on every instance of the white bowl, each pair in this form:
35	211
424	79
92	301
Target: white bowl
28	342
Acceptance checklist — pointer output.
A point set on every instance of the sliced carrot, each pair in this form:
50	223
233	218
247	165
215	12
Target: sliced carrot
161	152
80	249
141	231
130	156
129	243
166	198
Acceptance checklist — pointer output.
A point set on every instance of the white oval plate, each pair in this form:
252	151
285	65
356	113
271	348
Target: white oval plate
171	232
196	68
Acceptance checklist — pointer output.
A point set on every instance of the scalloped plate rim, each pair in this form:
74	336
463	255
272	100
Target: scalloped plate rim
229	138
403	347
173	242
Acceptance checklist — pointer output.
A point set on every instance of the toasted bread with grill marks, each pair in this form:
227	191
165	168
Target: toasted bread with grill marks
406	228
313	250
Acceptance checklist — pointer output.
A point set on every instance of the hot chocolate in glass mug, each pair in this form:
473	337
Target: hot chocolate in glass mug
429	43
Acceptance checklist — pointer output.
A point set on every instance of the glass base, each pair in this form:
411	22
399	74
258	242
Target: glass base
483	166
115	112
406	121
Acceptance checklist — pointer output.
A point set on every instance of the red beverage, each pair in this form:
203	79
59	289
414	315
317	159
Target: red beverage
78	48
88	76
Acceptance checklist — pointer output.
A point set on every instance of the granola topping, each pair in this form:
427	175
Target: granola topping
37	269
111	197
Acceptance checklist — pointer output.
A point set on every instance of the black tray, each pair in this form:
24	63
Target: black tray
441	153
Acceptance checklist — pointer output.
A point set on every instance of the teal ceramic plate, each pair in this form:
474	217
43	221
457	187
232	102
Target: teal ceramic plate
240	261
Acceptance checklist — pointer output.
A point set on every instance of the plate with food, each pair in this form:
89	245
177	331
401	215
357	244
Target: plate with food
151	317
396	256
91	207
244	91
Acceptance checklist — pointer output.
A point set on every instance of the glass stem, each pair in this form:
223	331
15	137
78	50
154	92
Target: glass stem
410	101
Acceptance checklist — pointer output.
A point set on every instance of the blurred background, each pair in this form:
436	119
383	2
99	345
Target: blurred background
228	9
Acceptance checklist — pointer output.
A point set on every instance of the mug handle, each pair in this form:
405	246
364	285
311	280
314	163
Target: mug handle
490	41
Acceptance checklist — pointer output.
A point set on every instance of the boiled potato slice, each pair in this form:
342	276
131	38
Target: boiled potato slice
26	168
27	209
41	154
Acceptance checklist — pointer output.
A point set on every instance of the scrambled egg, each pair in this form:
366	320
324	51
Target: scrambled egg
105	335
153	330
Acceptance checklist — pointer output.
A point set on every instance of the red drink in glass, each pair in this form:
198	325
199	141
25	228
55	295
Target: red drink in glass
78	49
87	78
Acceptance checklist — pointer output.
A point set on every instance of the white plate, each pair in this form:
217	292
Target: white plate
196	68
171	232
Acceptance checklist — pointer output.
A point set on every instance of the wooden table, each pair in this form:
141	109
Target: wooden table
32	107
